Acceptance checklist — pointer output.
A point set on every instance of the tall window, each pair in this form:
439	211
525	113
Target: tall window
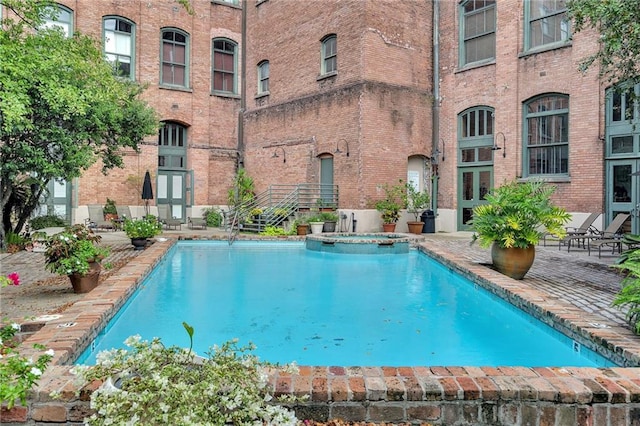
224	66
263	77
623	116
119	44
476	135
174	57
62	17
329	55
478	29
546	23
547	135
172	142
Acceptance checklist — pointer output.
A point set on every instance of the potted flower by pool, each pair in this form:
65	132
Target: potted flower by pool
389	207
317	224
75	252
417	201
140	230
512	222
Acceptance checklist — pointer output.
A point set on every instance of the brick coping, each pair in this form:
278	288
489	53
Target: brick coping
438	394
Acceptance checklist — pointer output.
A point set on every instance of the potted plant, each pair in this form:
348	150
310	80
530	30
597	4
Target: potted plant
512	222
301	225
330	219
109	210
75	252
389	207
316	223
140	230
417	201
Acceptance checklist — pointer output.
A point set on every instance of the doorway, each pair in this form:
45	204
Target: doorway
475	183
623	192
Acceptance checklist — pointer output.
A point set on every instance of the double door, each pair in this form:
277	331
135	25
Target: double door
623	192
474	184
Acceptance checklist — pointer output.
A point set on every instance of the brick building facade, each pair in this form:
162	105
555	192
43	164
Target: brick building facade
343	92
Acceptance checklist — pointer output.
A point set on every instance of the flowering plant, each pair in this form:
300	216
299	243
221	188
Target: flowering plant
154	384
142	228
18	373
70	251
256	211
11	279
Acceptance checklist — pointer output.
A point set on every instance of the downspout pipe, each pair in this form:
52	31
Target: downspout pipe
435	112
243	88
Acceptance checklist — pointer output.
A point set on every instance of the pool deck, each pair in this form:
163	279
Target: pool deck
572	290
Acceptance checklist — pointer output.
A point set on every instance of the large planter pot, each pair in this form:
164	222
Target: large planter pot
388	227
329	227
316	227
415	227
139	243
302	229
513	262
87	282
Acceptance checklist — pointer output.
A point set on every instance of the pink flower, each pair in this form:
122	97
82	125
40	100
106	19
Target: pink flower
14	277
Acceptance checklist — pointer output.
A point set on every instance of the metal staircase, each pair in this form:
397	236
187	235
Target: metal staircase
275	205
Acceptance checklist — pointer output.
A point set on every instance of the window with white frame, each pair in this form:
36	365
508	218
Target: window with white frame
478	31
224	66
61	17
329	54
119	44
546	23
546	135
174	57
263	77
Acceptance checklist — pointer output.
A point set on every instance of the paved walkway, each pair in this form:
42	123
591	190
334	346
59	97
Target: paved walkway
584	281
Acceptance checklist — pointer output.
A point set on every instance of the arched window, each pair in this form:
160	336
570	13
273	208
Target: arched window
172	142
329	54
62	18
476	135
224	66
119	45
478	31
174	56
546	135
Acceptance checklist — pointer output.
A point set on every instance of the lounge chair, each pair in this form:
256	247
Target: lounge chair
165	217
609	237
585	229
96	219
124	212
197	222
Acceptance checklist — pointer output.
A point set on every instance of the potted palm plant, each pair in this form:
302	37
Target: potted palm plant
512	222
75	252
417	201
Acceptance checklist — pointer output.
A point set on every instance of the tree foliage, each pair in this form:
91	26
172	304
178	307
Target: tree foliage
61	109
618	23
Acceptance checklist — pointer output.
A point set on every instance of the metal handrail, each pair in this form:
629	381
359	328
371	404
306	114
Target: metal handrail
232	234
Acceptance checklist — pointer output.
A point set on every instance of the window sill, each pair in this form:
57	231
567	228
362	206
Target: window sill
225	3
178	88
475	65
226	95
545	48
548	179
327	75
262	95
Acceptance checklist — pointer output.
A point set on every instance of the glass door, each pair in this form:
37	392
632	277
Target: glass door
474	184
623	186
171	190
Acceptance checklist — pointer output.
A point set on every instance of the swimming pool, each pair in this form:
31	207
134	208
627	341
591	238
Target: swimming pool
329	309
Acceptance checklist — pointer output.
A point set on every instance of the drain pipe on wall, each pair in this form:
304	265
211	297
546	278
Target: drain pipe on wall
435	112
243	89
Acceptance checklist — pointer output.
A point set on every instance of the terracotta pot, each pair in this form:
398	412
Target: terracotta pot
415	227
89	281
513	262
139	243
302	229
388	227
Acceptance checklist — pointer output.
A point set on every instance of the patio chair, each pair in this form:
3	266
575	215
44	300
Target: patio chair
124	212
584	229
165	217
197	222
609	237
96	219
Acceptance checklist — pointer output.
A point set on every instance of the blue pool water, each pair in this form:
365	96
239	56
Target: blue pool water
320	308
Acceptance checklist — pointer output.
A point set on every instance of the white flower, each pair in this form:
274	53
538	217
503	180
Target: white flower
15	326
36	371
50	352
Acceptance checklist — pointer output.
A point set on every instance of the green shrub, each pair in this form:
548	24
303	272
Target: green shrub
273	231
47	221
213	216
629	295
